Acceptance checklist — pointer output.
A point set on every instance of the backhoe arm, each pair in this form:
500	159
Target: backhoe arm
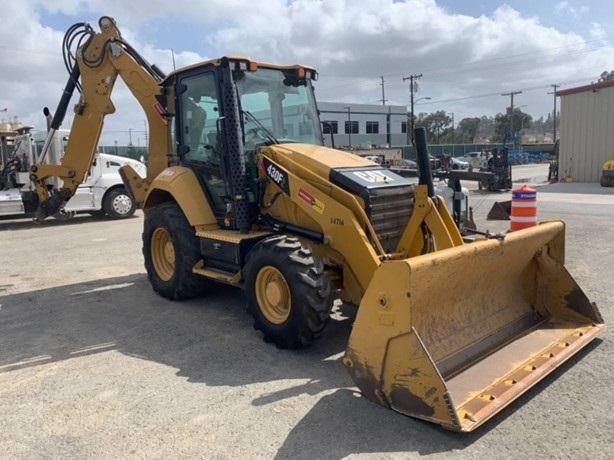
100	58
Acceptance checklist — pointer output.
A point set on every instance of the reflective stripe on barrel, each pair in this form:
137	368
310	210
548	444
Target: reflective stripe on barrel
524	208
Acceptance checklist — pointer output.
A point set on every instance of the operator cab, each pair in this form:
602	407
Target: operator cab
230	107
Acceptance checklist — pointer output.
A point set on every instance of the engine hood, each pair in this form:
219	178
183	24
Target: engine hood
346	169
316	158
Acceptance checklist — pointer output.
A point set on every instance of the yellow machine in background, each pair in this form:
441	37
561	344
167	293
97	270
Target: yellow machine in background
607	175
241	190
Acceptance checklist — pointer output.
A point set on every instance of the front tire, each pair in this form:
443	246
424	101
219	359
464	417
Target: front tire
171	249
117	204
288	294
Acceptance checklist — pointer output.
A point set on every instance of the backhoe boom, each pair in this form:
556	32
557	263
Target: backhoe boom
99	61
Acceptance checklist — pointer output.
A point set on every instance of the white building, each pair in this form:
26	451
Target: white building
586	131
363	125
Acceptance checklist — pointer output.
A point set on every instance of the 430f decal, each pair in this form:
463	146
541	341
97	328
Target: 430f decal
277	175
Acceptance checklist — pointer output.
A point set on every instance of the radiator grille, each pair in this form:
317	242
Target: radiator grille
389	213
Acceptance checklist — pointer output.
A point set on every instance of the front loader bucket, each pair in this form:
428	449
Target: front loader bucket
456	335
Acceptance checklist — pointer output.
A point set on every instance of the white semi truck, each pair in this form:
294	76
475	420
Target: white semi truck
102	193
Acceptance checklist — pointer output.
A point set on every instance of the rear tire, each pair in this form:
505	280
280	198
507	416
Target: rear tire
171	249
118	204
288	294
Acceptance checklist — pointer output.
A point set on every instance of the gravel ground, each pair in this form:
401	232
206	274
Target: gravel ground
93	364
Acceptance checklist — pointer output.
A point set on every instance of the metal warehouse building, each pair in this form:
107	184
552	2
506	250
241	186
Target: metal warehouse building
361	125
586	131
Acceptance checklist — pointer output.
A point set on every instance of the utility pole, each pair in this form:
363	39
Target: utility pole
511	95
412	89
349	125
383	99
554	113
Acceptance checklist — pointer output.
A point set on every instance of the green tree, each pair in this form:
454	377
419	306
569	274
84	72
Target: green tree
467	130
606	76
487	127
520	120
438	126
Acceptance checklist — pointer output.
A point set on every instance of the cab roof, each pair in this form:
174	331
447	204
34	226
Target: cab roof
234	58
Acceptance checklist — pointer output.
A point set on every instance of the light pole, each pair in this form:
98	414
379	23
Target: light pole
411	121
349	130
452	113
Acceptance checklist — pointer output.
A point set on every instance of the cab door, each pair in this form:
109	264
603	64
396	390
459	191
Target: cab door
199	143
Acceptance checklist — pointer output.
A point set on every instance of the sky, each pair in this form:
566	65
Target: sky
469	52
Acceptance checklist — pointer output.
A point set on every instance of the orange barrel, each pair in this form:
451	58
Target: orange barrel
524	208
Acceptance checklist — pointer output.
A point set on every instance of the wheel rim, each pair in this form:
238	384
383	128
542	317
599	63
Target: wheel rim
163	254
122	204
273	295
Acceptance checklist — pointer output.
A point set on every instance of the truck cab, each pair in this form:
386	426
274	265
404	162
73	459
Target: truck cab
102	193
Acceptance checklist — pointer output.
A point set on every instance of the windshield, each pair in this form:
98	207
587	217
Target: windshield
280	107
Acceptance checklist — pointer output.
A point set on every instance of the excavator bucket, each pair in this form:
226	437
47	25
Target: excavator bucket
456	335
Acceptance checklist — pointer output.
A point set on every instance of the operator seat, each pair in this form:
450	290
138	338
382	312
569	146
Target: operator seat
194	128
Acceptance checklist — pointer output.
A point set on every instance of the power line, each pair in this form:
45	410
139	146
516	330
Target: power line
479	96
503	61
490	64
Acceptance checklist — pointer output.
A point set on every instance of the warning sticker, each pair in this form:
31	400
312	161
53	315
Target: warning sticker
316	204
158	108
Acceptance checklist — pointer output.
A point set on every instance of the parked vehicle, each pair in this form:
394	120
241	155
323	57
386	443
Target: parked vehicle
101	193
403	163
476	160
457	163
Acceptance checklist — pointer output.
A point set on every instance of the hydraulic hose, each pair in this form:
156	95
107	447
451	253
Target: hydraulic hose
60	112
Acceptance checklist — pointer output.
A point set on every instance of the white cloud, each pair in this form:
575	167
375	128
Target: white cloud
566	7
351	43
597	31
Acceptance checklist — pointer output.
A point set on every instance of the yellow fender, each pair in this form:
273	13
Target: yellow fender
180	184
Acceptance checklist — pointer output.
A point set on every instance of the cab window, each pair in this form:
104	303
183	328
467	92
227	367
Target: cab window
198	135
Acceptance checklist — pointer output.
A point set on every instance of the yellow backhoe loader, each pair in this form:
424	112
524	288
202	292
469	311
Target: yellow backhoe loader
240	190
